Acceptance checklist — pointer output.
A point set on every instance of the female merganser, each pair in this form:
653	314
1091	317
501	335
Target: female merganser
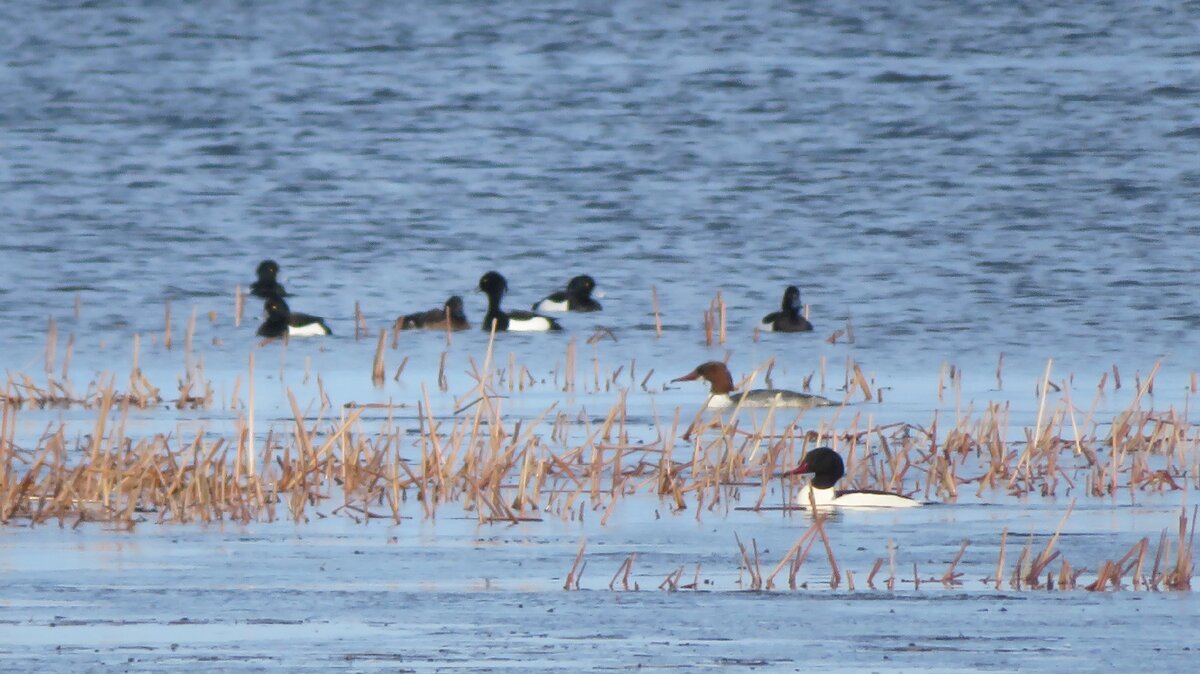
788	319
722	395
282	321
495	286
827	468
266	286
449	316
577	297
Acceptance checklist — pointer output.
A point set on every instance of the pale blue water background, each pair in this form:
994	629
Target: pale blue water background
959	180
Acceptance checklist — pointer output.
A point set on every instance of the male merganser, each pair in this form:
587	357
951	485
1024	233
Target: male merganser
266	286
450	315
788	319
577	297
827	468
722	395
495	286
283	321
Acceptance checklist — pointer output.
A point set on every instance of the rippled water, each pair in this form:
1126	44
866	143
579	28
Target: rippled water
956	180
960	180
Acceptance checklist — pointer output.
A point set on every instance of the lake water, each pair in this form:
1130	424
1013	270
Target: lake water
951	182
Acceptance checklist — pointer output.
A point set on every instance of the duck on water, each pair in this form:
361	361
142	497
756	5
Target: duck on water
827	468
722	393
282	321
494	286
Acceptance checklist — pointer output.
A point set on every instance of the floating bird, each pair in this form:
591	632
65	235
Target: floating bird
788	318
266	286
722	394
577	297
495	286
450	315
827	468
283	321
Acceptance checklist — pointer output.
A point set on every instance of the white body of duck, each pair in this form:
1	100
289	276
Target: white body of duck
722	393
827	468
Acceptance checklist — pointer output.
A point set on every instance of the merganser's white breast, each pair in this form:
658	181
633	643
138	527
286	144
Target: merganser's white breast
832	498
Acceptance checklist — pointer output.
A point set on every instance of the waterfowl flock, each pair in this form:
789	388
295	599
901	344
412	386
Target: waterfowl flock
824	463
576	297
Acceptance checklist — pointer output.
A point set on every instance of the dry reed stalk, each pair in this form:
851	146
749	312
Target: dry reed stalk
67	353
250	419
862	384
239	305
806	536
360	323
891	580
951	577
576	572
1047	554
874	570
188	336
721	310
378	368
1000	558
623	572
51	344
569	368
657	315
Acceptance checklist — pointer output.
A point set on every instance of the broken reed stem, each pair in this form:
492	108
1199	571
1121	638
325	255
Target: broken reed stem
378	368
576	571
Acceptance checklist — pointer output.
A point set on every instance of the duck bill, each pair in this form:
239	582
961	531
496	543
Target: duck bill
691	376
798	470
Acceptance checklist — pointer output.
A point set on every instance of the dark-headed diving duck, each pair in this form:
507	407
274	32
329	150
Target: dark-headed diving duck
577	297
494	285
267	286
283	321
788	318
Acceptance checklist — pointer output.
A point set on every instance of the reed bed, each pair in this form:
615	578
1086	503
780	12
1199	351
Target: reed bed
557	463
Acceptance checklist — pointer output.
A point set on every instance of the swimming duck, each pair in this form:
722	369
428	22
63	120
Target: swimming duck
577	297
722	394
827	468
494	285
267	286
450	315
788	318
283	321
